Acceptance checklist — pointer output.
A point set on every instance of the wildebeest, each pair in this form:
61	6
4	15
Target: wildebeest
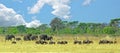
9	37
17	39
115	42
37	42
27	37
106	42
62	42
13	42
41	42
51	42
34	37
45	37
87	41
77	42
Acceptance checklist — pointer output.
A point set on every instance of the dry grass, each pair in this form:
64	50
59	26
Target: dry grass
31	47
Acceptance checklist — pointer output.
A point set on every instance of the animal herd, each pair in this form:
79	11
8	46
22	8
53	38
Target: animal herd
45	39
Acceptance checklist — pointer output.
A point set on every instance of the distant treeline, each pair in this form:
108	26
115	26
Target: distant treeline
57	26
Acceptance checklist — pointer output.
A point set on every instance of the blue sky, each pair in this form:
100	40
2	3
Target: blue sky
97	11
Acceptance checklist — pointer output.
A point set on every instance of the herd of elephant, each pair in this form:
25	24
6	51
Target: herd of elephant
45	39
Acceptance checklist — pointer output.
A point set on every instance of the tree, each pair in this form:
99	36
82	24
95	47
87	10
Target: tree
115	22
73	24
56	24
43	27
12	30
109	30
21	28
82	27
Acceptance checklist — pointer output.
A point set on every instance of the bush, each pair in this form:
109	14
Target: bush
109	30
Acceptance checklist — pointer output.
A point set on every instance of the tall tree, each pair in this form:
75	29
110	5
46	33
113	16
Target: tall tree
115	22
43	27
73	24
82	27
56	24
21	28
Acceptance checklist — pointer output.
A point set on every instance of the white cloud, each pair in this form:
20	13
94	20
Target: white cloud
34	24
87	2
61	7
37	7
8	17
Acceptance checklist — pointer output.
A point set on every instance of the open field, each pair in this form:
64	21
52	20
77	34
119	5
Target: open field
31	47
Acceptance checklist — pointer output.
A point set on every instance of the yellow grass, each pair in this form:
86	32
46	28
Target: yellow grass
31	47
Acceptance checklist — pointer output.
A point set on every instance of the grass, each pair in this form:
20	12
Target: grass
31	47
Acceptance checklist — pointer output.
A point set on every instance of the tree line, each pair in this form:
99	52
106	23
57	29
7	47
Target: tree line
58	26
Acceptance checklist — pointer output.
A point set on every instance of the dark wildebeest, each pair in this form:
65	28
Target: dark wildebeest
17	39
37	42
34	37
13	42
41	42
62	42
87	41
51	42
77	42
106	42
103	42
115	42
27	37
45	37
9	37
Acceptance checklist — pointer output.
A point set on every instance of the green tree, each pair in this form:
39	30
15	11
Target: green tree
21	28
43	27
115	22
56	24
109	30
12	30
73	24
82	27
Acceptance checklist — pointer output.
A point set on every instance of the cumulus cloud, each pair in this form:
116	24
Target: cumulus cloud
37	7
61	7
8	17
87	2
34	24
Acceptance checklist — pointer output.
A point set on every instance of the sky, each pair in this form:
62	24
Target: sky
33	13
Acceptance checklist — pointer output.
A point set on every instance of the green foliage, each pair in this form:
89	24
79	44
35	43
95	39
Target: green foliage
109	30
1	30
115	22
32	31
12	30
57	26
21	29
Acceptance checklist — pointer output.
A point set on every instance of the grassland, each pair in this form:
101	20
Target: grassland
31	47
